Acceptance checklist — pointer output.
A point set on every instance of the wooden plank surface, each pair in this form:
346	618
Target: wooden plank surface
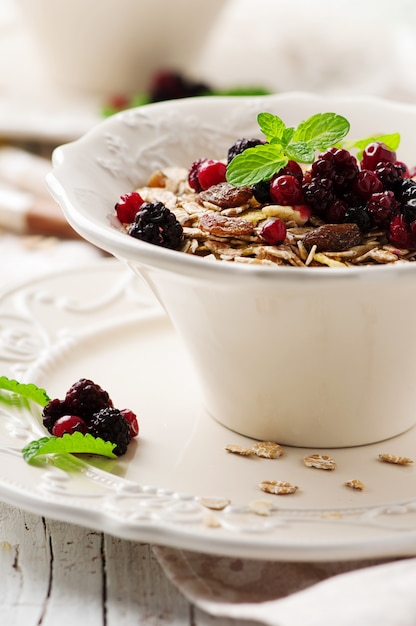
56	573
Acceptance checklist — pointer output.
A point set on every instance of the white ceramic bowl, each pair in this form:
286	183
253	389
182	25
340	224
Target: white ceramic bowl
106	47
304	356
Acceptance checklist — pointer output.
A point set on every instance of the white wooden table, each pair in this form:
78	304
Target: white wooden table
56	573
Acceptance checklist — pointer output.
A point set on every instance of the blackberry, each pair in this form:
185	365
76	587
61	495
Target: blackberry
409	210
85	398
390	174
52	412
405	189
240	145
110	425
382	207
338	165
336	211
319	194
261	192
358	215
193	179
155	223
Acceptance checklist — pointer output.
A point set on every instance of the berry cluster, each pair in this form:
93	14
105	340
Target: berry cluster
149	221
87	408
376	193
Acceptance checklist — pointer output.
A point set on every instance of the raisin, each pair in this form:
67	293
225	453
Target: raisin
333	237
224	226
225	195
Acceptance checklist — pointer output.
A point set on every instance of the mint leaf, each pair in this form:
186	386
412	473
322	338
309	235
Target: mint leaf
256	164
74	444
300	151
391	140
322	130
28	391
271	126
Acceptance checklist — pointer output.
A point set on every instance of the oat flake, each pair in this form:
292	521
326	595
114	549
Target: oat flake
241	450
355	484
397	460
268	449
320	461
278	487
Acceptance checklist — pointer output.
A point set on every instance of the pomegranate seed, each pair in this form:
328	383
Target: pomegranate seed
374	153
273	232
131	419
127	207
69	424
211	172
286	190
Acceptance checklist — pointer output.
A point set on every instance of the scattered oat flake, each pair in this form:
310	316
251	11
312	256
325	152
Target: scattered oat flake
355	484
268	449
397	460
320	461
278	487
241	450
211	521
217	504
261	507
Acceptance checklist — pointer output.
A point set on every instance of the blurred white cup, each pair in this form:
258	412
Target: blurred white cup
105	47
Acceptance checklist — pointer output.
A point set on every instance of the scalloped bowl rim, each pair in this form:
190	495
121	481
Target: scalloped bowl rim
116	242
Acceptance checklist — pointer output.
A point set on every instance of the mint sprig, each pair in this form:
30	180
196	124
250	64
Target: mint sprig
319	132
76	443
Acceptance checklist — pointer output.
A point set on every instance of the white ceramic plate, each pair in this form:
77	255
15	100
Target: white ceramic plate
101	322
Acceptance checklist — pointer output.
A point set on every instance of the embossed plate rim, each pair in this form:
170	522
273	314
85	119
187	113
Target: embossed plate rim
155	512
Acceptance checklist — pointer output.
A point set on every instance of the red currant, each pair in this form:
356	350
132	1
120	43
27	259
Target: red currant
400	233
69	424
293	169
367	183
211	172
127	207
273	232
131	419
286	190
376	152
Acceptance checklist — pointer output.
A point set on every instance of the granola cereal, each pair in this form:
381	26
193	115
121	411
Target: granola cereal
336	208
